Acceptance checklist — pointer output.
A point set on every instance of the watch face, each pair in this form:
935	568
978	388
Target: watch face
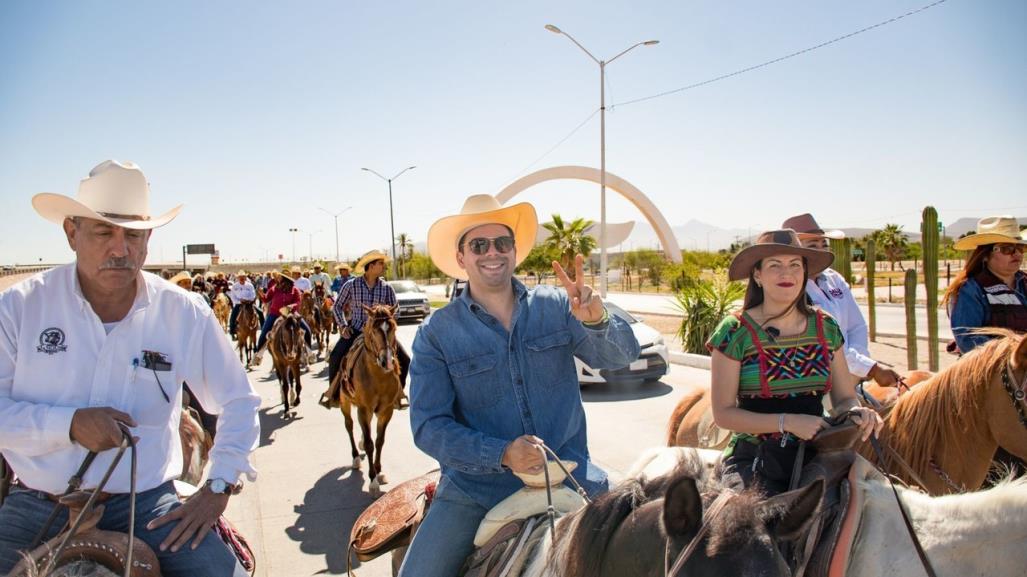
218	486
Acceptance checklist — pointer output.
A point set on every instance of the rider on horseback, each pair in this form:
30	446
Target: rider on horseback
68	389
242	290
282	295
368	289
341	279
320	277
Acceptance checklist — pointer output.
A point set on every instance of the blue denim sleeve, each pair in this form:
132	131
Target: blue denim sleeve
608	346
436	429
969	313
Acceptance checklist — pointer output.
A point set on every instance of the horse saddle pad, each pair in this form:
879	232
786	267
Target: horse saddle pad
388	522
859	474
710	435
526	502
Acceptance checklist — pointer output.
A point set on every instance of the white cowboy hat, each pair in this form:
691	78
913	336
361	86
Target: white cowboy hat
480	209
114	192
181	276
992	230
370	257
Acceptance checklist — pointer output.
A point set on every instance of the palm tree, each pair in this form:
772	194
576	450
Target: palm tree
892	241
406	250
568	239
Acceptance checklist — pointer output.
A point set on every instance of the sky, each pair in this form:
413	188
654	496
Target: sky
260	115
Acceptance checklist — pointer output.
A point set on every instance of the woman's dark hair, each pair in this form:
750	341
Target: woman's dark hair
974	266
754	294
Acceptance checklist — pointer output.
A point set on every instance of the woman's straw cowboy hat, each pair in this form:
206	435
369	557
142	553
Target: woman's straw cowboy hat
993	230
114	192
775	242
181	277
806	227
370	257
480	209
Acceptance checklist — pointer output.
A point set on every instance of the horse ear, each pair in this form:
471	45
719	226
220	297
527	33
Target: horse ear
393	309
367	309
682	508
788	514
1020	355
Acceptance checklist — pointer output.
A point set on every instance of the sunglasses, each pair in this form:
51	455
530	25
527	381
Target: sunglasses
1008	249
480	245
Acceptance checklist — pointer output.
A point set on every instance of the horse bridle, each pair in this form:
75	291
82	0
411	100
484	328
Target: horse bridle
1016	394
375	322
685	554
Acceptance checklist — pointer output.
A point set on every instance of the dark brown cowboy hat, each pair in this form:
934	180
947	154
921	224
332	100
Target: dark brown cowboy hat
806	226
774	242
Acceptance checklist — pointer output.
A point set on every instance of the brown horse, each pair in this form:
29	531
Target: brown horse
246	332
196	445
948	428
375	388
327	316
222	310
691	424
287	347
312	314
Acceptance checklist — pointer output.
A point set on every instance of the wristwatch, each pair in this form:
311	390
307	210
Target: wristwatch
222	487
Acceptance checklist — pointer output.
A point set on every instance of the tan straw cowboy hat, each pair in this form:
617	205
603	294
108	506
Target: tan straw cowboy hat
370	257
181	277
806	226
774	242
480	209
342	266
114	192
993	230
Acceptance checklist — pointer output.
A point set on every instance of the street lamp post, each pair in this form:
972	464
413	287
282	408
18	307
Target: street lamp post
602	144
294	231
336	217
392	226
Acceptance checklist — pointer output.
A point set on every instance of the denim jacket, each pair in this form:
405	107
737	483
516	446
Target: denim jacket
474	387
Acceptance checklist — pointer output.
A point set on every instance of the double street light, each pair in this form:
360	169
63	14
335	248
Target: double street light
294	231
336	217
602	144
392	227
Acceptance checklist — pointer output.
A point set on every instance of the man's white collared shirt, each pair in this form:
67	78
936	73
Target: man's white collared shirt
303	283
831	293
56	357
242	292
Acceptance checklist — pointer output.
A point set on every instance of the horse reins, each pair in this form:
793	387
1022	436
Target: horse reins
693	545
550	510
1016	393
75	482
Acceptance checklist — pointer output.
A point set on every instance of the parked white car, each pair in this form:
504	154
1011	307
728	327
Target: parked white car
411	300
651	365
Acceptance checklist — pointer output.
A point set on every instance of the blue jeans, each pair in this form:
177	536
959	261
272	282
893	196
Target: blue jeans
270	322
25	511
446	537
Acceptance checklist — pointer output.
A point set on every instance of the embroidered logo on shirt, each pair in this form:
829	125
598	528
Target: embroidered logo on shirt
51	341
836	292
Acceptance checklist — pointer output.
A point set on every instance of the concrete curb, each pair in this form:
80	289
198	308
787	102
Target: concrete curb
690	360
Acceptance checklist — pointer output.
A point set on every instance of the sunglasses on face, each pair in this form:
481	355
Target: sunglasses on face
1008	249
480	245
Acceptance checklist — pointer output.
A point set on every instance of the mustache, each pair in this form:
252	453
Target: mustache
116	263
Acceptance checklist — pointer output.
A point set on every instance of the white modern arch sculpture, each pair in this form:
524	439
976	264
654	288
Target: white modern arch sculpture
614	182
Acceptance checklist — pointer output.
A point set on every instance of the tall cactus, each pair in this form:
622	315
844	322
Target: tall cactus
910	300
871	264
842	249
929	239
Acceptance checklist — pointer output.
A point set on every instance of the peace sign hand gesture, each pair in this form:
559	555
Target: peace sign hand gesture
585	306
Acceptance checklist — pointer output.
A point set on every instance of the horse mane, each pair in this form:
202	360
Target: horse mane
946	405
589	531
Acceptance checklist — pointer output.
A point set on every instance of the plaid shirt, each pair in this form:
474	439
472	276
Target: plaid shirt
356	293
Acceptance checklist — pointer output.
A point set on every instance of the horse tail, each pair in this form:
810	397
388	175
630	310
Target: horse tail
680	411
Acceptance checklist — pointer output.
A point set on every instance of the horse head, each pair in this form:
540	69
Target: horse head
380	334
683	526
289	338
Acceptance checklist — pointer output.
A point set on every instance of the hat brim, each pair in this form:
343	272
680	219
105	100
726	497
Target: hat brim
57	207
443	236
832	234
816	260
975	240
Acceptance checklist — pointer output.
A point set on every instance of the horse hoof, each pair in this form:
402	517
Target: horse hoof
357	463
375	488
381	480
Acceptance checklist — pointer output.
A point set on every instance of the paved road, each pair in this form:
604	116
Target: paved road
891	319
298	514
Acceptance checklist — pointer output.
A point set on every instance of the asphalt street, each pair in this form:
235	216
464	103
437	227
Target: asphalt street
299	512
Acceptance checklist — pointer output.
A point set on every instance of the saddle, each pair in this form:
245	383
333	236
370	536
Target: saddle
107	548
391	521
710	435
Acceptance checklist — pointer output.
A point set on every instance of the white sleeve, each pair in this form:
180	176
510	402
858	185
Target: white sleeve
220	385
857	351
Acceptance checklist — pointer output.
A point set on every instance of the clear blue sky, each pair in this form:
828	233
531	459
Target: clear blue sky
256	113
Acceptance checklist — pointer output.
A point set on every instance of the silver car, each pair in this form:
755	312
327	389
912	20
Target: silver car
651	365
411	300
